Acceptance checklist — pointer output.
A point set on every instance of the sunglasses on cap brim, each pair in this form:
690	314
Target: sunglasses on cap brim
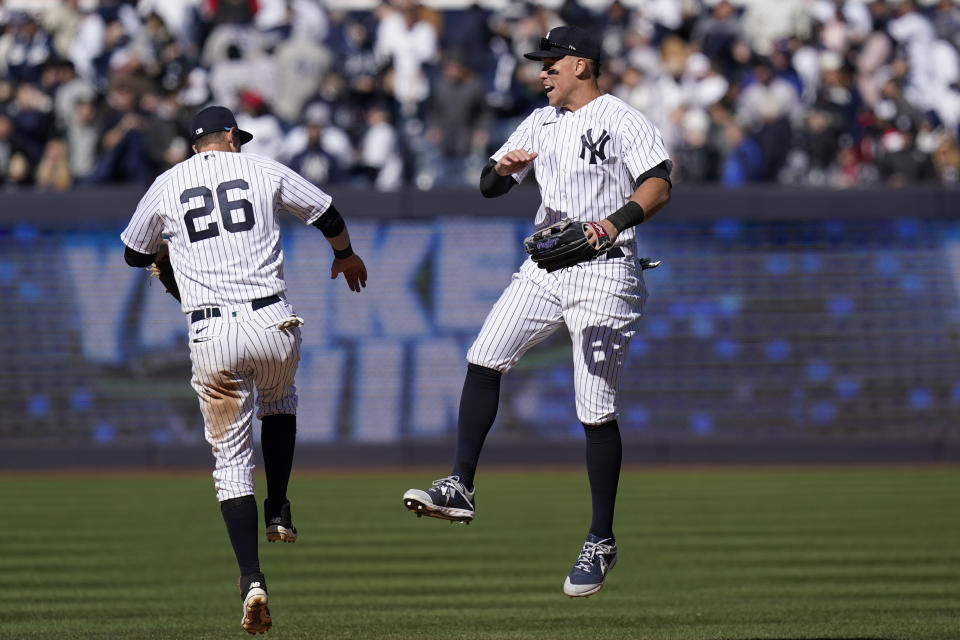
547	45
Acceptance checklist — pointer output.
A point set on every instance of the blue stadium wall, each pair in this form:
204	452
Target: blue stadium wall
783	326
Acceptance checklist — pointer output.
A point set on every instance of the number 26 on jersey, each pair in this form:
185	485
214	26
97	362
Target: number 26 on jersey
237	215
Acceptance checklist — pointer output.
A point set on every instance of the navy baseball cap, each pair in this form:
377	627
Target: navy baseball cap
566	41
213	119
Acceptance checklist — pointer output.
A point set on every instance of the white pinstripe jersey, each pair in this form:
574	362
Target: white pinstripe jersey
219	210
588	161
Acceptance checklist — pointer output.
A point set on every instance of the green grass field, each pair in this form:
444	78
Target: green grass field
718	554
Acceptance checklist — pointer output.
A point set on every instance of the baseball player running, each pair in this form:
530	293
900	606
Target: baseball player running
219	211
596	160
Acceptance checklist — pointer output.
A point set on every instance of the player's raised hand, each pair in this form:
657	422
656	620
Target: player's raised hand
353	270
514	162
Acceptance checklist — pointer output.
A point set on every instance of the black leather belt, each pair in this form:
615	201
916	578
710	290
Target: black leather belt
214	312
616	252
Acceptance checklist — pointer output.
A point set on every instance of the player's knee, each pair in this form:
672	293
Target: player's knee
475	359
278	406
483	371
599	426
279	421
594	412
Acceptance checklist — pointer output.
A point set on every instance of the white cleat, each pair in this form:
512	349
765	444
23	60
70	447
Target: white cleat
256	614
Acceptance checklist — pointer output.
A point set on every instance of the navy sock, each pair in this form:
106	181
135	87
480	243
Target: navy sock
478	409
604	456
240	516
278	439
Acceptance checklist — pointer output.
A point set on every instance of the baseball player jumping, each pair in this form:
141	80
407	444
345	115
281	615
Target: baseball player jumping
596	160
219	212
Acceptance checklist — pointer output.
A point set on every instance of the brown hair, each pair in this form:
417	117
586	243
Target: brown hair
216	137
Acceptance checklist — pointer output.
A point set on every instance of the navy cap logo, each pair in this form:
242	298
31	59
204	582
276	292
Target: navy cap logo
216	118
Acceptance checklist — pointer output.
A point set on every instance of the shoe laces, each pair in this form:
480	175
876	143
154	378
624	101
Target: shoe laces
590	551
451	481
454	485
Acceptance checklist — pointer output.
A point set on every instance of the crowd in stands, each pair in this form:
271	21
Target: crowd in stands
833	93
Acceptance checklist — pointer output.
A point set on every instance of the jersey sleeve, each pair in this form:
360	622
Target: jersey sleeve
643	146
299	196
519	139
145	229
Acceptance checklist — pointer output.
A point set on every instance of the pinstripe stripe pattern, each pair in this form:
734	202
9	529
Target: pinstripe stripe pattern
219	211
231	356
227	268
571	186
587	166
600	302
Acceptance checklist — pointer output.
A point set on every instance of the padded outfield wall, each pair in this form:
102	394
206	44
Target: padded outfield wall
782	322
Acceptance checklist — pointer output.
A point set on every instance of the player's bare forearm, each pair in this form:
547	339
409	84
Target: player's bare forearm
653	195
341	241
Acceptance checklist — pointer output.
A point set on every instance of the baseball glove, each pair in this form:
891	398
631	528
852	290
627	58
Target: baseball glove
162	270
564	244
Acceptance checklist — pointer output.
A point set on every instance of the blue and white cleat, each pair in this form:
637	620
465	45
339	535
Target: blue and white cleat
448	499
596	559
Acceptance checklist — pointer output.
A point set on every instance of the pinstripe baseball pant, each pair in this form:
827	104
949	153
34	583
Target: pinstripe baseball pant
233	355
600	302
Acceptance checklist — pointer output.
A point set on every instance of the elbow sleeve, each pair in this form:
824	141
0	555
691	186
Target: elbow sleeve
662	170
137	259
492	184
331	222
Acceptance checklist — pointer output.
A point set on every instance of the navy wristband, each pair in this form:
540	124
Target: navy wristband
340	254
629	215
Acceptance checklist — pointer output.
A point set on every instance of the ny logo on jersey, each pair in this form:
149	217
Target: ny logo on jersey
595	147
